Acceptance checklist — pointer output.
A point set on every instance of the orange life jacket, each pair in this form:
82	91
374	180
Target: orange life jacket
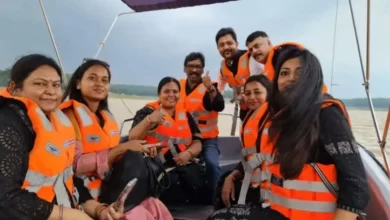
249	133
94	138
243	73
269	68
305	197
50	172
174	131
193	103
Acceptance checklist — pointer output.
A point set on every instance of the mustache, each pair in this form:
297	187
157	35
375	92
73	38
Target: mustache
228	50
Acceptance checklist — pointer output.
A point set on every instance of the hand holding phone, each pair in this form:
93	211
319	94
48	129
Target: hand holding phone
125	192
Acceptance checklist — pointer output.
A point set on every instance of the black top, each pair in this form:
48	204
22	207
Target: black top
236	58
16	141
145	111
338	147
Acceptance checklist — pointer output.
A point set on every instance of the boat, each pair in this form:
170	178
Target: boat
230	146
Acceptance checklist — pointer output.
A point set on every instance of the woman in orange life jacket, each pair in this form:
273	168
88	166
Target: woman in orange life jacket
306	132
153	116
165	121
37	149
256	90
87	91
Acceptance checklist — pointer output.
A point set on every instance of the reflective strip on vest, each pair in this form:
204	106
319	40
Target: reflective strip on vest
174	140
207	129
111	116
195	100
172	149
86	120
63	118
245	183
38	180
259	158
244	62
87	180
181	116
46	123
248	150
302	205
202	89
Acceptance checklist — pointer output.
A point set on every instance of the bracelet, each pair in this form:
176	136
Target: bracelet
190	152
148	119
61	217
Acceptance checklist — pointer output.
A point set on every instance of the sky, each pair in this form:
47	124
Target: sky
145	47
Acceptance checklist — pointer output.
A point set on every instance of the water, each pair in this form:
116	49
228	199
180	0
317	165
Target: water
364	131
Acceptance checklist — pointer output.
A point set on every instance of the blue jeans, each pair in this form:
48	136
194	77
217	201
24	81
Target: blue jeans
210	154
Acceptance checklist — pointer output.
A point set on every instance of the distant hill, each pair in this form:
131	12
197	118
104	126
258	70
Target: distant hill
139	90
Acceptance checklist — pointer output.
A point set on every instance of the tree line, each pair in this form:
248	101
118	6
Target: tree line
151	91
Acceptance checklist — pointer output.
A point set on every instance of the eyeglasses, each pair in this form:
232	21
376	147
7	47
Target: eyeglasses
190	66
104	63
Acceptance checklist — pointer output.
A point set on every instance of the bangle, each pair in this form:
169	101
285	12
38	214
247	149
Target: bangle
61	217
190	152
148	119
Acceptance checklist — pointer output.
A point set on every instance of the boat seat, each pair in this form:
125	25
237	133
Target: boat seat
229	153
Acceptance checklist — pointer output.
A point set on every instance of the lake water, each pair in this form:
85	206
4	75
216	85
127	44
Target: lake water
363	128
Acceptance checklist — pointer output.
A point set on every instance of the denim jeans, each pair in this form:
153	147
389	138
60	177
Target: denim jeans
210	154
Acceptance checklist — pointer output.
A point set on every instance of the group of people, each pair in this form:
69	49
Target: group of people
296	139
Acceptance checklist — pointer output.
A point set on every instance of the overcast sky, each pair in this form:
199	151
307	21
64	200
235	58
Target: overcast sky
145	47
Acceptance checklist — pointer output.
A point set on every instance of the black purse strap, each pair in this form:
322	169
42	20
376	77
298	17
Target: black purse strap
155	175
330	187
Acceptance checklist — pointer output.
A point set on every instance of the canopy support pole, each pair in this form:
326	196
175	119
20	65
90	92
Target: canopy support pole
53	42
366	78
102	43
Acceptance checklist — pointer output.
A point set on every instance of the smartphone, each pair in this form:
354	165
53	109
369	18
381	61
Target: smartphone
125	192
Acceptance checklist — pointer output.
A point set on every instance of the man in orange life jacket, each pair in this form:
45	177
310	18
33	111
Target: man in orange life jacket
202	99
264	52
236	66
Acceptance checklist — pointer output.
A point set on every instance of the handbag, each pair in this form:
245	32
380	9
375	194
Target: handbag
134	164
331	188
188	185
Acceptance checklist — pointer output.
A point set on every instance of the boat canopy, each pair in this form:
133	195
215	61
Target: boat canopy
153	5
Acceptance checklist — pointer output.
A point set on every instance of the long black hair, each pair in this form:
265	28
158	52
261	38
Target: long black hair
74	93
295	113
